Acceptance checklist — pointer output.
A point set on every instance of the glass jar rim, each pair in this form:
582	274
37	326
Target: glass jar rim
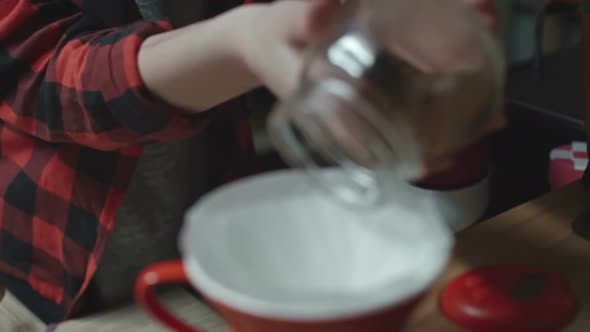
350	182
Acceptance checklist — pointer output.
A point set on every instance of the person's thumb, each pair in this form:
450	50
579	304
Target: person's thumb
304	21
488	11
322	13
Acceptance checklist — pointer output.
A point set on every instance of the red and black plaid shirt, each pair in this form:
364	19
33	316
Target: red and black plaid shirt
74	113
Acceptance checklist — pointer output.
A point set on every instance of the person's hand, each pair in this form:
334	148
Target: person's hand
441	40
487	11
275	35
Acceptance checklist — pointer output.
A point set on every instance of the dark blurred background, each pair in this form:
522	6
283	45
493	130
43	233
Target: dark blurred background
544	99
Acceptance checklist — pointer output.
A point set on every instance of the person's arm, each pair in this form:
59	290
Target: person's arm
66	78
199	66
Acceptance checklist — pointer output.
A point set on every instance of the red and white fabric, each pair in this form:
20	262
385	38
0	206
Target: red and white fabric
567	164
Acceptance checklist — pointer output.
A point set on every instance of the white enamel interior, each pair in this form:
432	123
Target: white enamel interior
274	246
462	207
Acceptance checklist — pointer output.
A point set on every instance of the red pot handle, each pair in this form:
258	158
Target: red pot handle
159	274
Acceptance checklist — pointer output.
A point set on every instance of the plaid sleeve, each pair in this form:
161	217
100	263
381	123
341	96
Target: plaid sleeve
67	78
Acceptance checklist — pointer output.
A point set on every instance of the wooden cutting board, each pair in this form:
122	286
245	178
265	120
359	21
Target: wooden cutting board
538	232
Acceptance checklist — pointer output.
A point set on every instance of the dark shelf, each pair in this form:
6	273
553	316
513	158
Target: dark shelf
555	92
543	111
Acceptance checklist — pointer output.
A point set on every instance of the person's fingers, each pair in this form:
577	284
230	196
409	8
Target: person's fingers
289	19
283	74
322	13
295	21
487	10
302	20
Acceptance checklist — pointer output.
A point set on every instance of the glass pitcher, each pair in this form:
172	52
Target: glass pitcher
390	90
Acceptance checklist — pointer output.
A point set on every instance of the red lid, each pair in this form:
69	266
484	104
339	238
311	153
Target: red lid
509	298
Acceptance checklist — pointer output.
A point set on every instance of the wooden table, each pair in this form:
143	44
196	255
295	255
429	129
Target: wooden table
537	232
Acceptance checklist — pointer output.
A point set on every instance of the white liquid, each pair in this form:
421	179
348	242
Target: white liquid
302	251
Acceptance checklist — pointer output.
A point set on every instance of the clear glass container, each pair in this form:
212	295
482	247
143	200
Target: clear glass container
391	89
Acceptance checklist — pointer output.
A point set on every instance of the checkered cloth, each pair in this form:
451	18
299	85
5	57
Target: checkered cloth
575	155
567	164
73	115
